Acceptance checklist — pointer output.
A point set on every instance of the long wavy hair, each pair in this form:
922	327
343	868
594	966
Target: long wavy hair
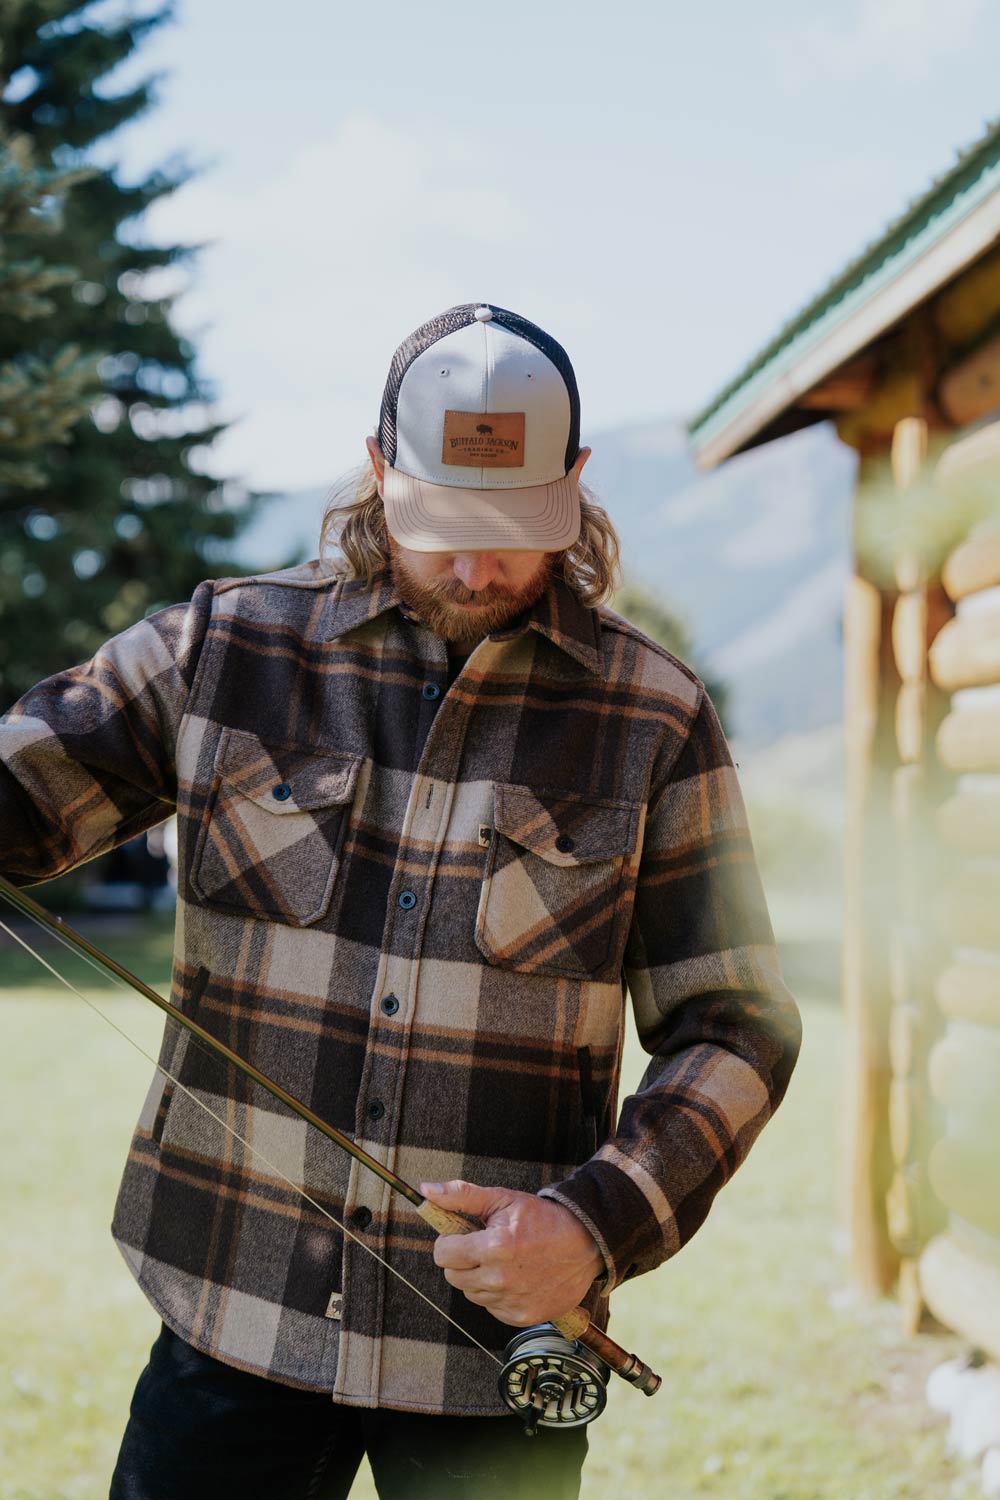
354	532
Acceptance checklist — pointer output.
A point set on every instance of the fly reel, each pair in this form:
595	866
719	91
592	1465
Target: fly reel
552	1381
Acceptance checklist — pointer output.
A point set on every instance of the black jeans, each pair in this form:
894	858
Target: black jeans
200	1430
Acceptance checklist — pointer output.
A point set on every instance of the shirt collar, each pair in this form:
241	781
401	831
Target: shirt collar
558	615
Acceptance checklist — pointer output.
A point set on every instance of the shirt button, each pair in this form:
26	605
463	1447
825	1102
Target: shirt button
565	844
281	792
361	1218
390	1005
431	691
376	1109
407	900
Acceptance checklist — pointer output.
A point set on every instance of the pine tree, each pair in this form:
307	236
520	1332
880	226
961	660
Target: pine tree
40	399
124	522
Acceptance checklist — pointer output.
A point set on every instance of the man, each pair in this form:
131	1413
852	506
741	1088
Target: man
436	808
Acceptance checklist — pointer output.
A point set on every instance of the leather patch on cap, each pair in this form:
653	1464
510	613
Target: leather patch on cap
488	439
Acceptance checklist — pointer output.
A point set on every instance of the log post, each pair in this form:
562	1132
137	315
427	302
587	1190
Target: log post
870	682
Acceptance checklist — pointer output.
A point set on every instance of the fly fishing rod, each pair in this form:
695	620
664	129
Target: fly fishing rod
553	1374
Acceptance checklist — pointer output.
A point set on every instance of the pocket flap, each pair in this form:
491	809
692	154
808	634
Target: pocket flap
563	828
286	780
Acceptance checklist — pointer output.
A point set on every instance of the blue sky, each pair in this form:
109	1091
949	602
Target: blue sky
658	185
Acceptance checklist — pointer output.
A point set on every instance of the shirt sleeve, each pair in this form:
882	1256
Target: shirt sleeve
711	1008
87	758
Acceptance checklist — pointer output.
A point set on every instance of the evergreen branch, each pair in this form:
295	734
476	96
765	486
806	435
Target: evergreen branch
40	402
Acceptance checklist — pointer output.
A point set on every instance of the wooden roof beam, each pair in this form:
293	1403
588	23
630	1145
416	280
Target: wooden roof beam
845	389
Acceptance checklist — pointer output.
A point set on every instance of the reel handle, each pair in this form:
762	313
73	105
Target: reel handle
574	1325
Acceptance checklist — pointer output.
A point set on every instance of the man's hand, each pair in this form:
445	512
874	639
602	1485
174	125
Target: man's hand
533	1261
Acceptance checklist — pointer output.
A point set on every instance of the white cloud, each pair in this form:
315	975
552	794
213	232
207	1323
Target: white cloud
318	271
905	37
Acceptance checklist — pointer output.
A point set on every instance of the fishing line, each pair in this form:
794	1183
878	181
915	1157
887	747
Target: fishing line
255	1150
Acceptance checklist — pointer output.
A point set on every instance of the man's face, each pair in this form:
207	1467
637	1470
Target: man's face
464	596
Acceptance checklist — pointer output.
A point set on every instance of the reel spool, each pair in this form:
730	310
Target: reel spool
552	1381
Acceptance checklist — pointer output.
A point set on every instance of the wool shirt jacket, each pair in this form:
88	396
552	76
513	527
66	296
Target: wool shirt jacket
421	909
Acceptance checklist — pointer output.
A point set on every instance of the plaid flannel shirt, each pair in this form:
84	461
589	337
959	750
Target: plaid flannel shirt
420	908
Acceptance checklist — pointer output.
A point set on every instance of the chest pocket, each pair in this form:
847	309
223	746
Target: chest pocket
558	882
274	828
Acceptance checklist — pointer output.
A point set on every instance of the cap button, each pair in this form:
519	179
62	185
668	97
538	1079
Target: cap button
483	314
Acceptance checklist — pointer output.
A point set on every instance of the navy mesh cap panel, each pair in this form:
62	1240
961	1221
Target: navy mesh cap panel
555	352
449	322
420	339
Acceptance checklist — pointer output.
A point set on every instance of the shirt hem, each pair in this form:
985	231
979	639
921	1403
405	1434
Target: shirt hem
341	1398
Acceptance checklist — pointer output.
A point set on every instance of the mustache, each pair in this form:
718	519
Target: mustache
452	591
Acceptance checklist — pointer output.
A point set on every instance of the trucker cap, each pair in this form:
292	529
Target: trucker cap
479	429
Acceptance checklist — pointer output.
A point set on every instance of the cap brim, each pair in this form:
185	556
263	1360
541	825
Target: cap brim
444	518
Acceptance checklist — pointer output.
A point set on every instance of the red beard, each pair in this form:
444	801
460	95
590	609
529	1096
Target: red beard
437	604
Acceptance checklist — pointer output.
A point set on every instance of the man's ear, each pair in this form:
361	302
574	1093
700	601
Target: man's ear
581	459
377	461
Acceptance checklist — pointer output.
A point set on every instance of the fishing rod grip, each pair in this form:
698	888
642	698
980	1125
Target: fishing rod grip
575	1325
443	1220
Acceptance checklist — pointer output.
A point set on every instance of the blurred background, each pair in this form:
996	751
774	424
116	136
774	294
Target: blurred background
769	237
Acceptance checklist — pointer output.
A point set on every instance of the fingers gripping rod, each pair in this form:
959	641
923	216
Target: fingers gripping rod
575	1325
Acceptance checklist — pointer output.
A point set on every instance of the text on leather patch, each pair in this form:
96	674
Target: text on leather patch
490	439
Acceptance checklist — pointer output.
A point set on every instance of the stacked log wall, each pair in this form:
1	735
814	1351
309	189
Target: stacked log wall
960	1266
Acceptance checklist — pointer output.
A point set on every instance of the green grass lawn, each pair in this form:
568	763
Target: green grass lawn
778	1386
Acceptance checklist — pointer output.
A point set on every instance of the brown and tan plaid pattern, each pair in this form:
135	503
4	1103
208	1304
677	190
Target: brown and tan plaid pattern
418	908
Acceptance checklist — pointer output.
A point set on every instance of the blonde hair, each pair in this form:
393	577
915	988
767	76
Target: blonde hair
354	524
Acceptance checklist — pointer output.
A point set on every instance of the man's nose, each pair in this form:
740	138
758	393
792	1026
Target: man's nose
477	570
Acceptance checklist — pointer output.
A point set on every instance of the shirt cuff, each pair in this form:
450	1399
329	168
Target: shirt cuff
618	1216
604	1280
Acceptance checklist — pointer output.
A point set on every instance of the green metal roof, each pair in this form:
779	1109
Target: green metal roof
924	222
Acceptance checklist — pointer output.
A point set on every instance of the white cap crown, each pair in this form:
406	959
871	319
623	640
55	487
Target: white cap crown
479	427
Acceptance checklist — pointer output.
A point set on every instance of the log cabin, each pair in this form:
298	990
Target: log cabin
901	352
